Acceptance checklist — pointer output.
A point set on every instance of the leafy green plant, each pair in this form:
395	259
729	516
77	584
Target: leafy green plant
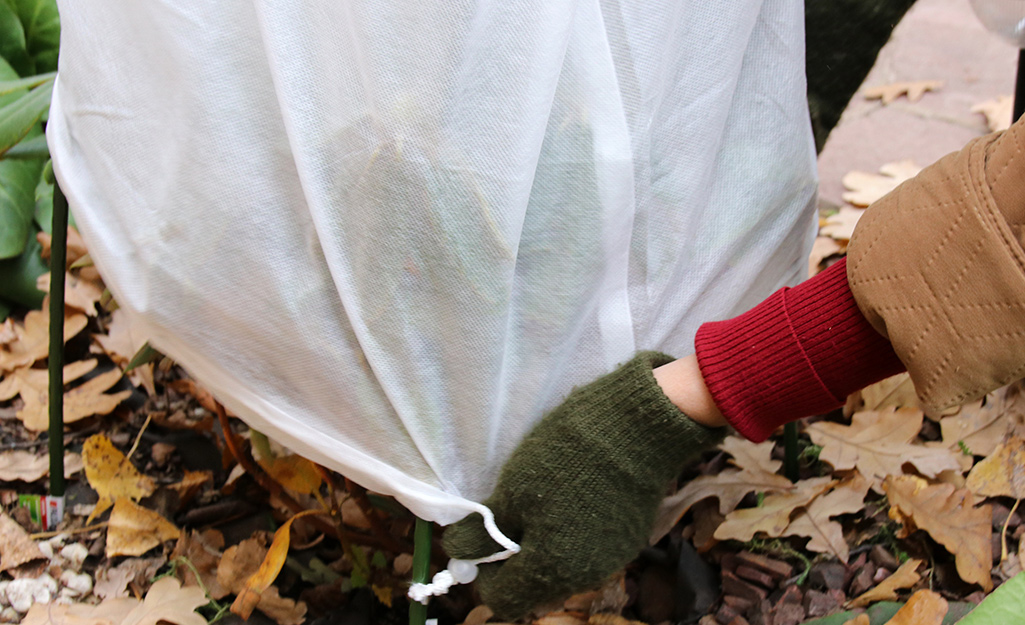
29	42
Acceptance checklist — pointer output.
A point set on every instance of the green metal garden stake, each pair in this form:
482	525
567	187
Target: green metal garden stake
58	260
790	466
421	568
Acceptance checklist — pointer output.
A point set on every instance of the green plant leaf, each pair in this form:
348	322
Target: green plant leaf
14	84
18	180
30	149
41	24
18	277
17	118
12	41
44	201
1006	604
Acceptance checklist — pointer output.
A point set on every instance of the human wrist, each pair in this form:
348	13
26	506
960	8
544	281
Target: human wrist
683	384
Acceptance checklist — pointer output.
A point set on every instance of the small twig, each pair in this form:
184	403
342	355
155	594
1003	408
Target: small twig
81	530
138	437
1003	532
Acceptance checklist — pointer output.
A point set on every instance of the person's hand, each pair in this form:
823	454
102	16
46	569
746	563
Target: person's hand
581	491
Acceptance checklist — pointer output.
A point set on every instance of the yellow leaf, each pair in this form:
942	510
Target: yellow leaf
814	522
134	530
294	473
168	602
249	596
32	340
904	577
998	112
111	475
383	593
1002	474
947	515
914	90
923	608
878	444
773	516
863	188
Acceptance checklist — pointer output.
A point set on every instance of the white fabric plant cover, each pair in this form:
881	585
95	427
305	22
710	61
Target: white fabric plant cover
391	234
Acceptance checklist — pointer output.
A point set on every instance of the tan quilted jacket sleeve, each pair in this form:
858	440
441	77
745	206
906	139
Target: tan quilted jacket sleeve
938	267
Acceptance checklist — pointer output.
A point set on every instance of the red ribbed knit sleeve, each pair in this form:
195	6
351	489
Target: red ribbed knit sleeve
798	353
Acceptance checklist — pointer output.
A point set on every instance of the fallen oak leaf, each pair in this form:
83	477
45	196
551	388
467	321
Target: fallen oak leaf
863	188
904	577
814	522
752	457
28	467
947	515
773	515
110	612
111	475
134	530
203	550
168	602
32	340
914	90
976	427
925	607
999	112
249	596
896	391
878	444
729	486
79	293
85	400
841	225
1002	473
823	247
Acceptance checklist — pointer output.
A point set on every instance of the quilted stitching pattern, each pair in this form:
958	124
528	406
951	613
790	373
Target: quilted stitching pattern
937	266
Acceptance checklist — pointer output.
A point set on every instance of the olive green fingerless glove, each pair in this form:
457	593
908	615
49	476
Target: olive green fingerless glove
581	491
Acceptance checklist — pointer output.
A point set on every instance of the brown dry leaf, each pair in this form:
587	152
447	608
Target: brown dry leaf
203	550
76	248
121	343
353	516
561	618
925	607
88	399
111	612
998	112
33	338
773	516
241	561
752	457
947	515
168	602
611	619
878	444
134	530
980	428
113	582
864	188
250	595
814	522
478	615
190	485
729	486
904	577
841	225
16	548
914	90
294	473
28	467
894	392
1001	474
821	249
79	293
111	475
